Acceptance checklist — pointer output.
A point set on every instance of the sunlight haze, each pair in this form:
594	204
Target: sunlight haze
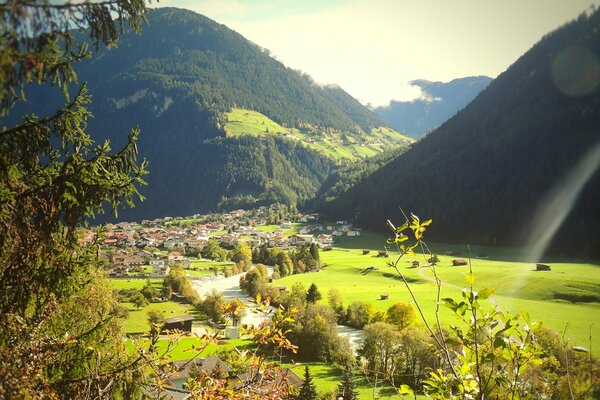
373	49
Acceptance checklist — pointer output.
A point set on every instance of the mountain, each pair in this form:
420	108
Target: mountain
519	157
438	102
223	124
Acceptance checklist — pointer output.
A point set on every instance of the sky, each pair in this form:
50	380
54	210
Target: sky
374	48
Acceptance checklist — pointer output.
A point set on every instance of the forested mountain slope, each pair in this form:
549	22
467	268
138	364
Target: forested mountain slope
180	79
485	173
439	101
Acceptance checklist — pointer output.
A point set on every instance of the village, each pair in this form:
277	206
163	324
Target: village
151	247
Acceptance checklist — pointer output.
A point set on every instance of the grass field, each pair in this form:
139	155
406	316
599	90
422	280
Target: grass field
333	144
134	283
549	296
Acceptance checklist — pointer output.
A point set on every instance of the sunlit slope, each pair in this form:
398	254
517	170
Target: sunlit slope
485	174
328	141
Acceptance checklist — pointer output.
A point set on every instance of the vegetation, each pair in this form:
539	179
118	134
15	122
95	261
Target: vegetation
331	143
472	159
60	327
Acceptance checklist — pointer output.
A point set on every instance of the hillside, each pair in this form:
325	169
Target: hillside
439	101
181	80
486	173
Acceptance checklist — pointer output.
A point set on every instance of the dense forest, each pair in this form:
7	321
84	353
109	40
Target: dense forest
438	102
485	173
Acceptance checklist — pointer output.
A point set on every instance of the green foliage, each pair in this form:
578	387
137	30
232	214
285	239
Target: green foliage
60	328
488	353
316	335
401	315
213	251
346	389
149	291
176	282
308	390
359	314
213	305
313	295
253	283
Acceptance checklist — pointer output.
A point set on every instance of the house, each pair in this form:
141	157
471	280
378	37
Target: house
415	264
459	261
298	239
211	366
183	323
118	270
353	233
542	267
384	296
382	253
159	267
264	383
177	258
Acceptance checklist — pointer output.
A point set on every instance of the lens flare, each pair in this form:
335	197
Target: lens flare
576	71
559	202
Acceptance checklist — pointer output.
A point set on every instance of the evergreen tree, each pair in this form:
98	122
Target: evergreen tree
346	387
308	390
314	252
313	295
52	178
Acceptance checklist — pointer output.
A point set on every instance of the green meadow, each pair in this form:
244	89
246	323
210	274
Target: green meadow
565	299
334	144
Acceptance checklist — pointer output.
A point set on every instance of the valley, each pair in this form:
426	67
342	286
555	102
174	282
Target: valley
563	298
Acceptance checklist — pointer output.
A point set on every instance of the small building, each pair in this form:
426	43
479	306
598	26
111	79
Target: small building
382	253
232	332
211	366
542	267
365	252
415	264
459	261
384	296
183	323
159	267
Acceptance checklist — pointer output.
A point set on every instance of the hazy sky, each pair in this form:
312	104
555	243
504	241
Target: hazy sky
373	48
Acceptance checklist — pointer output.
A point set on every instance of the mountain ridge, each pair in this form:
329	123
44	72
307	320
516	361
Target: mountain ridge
482	174
438	102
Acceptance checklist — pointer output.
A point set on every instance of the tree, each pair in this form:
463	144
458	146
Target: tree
401	314
346	387
213	251
53	177
235	310
138	300
313	295
253	283
213	306
242	253
334	299
358	314
297	295
380	347
314	252
149	291
155	319
308	390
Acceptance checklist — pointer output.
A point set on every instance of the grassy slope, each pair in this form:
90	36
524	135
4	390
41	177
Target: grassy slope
248	122
518	286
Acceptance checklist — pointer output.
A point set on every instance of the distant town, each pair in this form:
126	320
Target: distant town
153	246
